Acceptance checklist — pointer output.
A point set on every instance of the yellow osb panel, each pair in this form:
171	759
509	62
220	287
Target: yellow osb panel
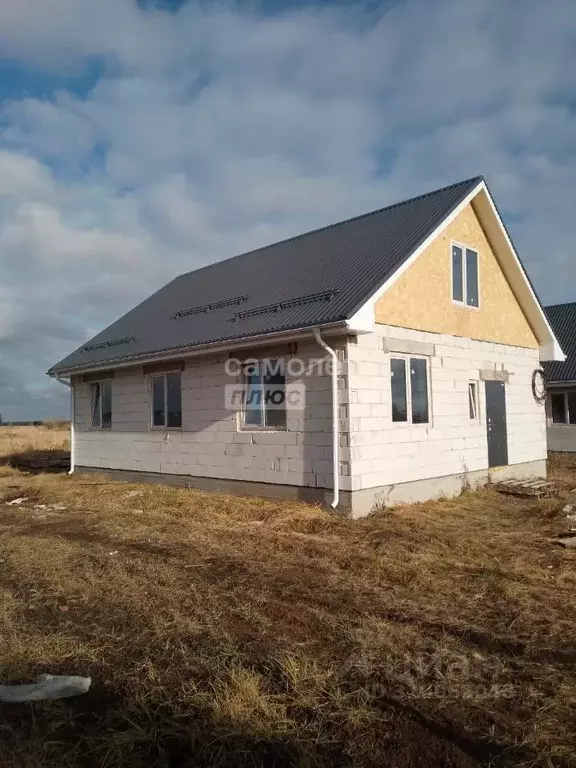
422	297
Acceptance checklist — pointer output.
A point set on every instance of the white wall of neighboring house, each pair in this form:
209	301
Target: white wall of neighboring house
561	437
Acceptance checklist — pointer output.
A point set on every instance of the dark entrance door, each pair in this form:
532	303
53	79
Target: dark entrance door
496	423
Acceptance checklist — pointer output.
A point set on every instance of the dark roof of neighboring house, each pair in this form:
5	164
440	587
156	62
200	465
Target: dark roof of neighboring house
317	278
562	318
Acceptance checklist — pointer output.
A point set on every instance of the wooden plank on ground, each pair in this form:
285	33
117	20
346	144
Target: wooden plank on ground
538	489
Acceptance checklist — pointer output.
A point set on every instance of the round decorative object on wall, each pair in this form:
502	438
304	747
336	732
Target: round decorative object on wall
539	385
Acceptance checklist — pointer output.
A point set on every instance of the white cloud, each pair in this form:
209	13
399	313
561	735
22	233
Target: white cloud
214	129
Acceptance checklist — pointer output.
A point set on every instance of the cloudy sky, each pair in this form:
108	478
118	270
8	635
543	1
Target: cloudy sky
141	140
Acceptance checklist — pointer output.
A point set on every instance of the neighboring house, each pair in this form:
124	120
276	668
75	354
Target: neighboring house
561	380
437	332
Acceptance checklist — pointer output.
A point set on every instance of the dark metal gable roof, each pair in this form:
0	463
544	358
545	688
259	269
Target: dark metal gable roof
562	318
320	277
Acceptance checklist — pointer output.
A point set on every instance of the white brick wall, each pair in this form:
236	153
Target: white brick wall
210	444
374	450
384	453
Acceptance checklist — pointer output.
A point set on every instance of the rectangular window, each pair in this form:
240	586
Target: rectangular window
563	406
275	398
571	399
265	395
419	390
473	400
409	393
457	274
106	404
558	403
465	280
167	400
158	400
253	416
471	278
399	399
173	400
101	404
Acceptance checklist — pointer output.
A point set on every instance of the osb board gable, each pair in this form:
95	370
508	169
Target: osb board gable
422	297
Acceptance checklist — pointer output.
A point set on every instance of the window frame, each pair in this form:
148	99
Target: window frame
408	384
475	401
242	426
100	383
464	303
566	422
163	375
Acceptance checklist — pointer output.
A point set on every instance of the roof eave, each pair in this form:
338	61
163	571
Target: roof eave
561	383
551	352
550	349
196	350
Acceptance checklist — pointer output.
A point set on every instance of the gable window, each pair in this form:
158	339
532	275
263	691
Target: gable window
167	400
409	387
264	395
473	400
563	407
101	404
465	283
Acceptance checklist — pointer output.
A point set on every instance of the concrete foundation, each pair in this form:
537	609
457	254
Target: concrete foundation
221	485
365	501
354	503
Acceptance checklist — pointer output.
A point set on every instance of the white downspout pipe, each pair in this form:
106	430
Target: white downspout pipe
335	419
72	417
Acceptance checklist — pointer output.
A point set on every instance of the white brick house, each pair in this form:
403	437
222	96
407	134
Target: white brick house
561	381
437	333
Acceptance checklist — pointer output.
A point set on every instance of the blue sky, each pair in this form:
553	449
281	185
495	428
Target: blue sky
138	141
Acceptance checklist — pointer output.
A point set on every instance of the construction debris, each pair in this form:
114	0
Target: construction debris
46	687
536	489
566	541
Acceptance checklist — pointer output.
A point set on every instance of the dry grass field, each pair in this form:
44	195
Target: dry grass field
28	441
225	631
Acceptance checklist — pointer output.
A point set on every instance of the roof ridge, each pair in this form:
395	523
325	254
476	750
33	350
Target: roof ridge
337	224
